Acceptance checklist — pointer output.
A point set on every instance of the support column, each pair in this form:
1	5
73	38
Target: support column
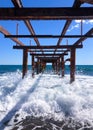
33	66
59	66
40	65
37	66
63	66
56	67
72	65
25	60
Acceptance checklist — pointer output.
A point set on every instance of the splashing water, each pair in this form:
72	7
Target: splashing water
47	95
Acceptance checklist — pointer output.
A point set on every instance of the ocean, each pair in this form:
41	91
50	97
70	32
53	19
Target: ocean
80	69
46	99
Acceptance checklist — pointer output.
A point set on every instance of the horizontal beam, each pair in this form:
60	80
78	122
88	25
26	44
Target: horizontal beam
47	54
87	1
46	13
48	58
48	47
5	32
47	36
34	51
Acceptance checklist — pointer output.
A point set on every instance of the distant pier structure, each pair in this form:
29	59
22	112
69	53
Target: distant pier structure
55	54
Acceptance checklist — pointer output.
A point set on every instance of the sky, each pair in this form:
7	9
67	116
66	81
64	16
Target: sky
10	56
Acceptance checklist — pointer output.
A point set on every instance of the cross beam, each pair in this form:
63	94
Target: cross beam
34	51
18	4
87	1
46	13
76	4
48	58
47	36
48	47
47	54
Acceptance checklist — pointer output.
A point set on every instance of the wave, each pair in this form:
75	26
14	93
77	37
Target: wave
46	95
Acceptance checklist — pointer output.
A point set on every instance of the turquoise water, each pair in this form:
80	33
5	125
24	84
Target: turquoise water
80	69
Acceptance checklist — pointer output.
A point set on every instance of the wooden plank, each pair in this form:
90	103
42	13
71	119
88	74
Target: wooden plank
48	47
67	13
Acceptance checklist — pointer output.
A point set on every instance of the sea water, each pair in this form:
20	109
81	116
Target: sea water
47	95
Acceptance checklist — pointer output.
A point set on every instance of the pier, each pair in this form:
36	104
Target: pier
57	54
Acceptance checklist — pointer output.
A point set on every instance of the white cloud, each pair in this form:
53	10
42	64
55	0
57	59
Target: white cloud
78	24
73	27
79	21
85	21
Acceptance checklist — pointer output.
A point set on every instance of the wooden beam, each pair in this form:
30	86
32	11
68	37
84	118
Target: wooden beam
48	47
48	36
46	13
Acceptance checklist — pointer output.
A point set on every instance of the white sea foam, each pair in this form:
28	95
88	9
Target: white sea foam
46	95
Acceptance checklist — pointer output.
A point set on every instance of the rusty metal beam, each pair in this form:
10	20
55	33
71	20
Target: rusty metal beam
87	1
90	32
48	47
46	13
47	36
5	32
45	51
72	65
76	4
33	66
62	65
47	54
48	57
18	4
25	60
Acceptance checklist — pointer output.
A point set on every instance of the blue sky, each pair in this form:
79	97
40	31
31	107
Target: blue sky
10	56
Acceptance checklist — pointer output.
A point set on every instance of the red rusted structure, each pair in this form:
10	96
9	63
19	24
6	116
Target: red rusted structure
48	54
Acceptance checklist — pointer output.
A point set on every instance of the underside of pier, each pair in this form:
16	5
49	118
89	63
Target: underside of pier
56	54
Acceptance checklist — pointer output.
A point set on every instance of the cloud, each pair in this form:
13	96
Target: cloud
73	27
84	21
77	25
79	21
